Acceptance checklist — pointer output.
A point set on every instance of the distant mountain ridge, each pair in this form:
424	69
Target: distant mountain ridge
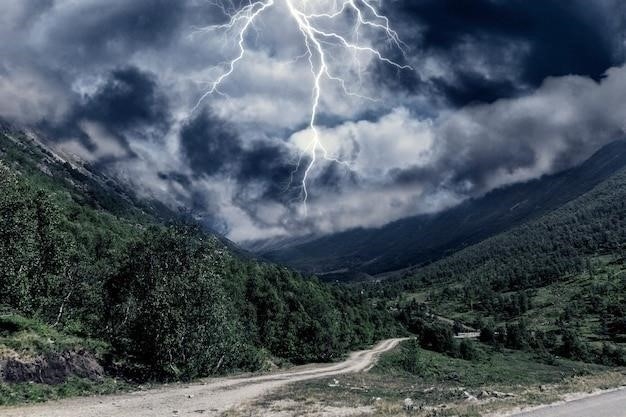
425	238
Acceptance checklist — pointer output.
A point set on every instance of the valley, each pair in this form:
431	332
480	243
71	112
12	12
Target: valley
397	248
522	316
312	208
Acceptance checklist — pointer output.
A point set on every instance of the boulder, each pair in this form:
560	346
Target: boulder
408	404
469	397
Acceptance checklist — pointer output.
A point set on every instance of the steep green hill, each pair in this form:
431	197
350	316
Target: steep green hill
423	239
544	250
86	265
556	283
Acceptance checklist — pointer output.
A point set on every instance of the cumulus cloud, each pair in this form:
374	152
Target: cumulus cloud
558	125
397	139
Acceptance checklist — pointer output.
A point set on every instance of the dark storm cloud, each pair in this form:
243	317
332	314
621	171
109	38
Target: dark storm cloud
129	101
93	70
470	86
212	147
272	164
559	125
209	144
54	47
468	170
334	178
261	170
554	37
94	32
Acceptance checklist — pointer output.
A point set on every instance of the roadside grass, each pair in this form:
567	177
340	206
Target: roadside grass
29	337
23	393
492	366
437	385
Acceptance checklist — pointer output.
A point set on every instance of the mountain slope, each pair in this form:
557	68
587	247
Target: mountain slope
26	154
422	239
555	284
542	251
83	264
29	155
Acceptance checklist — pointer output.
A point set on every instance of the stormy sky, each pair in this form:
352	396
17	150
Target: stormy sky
498	92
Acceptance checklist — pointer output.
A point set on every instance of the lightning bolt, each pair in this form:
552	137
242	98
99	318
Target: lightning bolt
318	44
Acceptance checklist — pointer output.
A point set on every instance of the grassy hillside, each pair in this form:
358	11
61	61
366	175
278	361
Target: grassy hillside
422	239
86	266
542	251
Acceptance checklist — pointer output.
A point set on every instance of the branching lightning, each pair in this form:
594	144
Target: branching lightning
312	19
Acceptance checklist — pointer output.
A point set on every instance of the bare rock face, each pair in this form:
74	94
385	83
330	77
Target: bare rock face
53	368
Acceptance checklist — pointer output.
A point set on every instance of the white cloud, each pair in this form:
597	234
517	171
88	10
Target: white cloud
372	148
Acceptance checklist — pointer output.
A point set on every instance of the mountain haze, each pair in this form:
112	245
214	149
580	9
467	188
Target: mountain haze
425	238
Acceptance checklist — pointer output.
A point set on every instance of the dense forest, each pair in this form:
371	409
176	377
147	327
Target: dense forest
166	298
539	252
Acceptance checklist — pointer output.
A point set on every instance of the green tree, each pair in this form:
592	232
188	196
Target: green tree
168	310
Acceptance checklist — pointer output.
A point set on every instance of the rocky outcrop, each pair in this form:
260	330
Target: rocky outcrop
52	368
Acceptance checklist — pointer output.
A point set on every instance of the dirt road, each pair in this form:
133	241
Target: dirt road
203	399
607	404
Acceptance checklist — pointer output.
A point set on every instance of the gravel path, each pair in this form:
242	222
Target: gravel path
209	398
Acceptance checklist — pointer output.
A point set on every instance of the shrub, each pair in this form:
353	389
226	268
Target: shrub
168	309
